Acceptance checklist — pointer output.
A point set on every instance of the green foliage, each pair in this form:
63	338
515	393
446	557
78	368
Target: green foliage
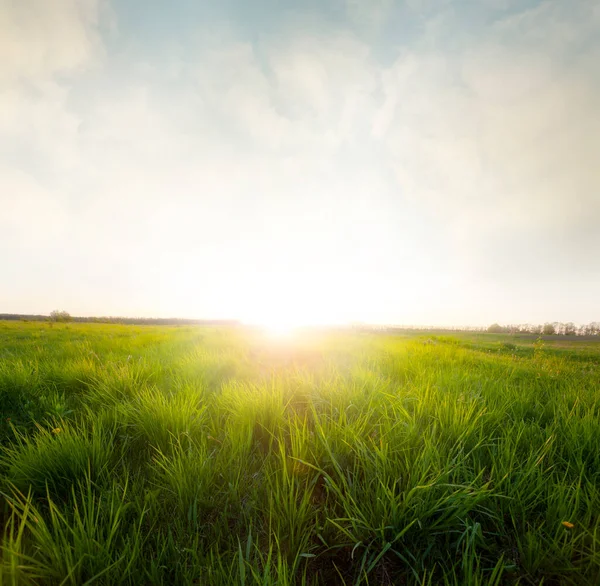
51	460
496	329
159	455
60	316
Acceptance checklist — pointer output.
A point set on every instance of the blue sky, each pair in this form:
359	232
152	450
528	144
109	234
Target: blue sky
421	162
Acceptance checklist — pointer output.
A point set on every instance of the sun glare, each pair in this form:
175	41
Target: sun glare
279	325
279	329
281	311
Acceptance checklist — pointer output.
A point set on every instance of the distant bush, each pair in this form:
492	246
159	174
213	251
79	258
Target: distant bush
62	316
548	330
496	329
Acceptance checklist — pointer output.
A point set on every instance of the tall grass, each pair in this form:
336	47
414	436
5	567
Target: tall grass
149	455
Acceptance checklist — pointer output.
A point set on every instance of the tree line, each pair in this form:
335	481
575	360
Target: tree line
548	329
61	316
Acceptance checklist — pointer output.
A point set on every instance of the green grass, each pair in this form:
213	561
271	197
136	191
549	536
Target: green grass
187	455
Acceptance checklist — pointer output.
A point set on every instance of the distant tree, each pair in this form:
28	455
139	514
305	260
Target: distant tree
570	329
62	316
548	330
536	330
495	329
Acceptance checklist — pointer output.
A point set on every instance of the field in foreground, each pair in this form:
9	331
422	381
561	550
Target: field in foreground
186	455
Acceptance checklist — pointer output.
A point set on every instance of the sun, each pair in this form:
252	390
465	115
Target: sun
280	329
280	324
282	311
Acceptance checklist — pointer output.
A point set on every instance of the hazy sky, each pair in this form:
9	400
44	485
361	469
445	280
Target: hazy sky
416	161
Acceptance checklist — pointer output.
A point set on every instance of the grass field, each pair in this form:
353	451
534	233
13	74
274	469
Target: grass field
186	455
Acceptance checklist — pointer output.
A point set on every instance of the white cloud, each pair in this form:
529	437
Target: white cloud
42	45
501	137
41	38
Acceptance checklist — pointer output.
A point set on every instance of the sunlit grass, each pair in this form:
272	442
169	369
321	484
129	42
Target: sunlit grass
148	455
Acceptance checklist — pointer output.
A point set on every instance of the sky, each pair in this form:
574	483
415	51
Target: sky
322	161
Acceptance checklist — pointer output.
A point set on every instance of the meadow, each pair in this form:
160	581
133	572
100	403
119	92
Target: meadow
199	455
